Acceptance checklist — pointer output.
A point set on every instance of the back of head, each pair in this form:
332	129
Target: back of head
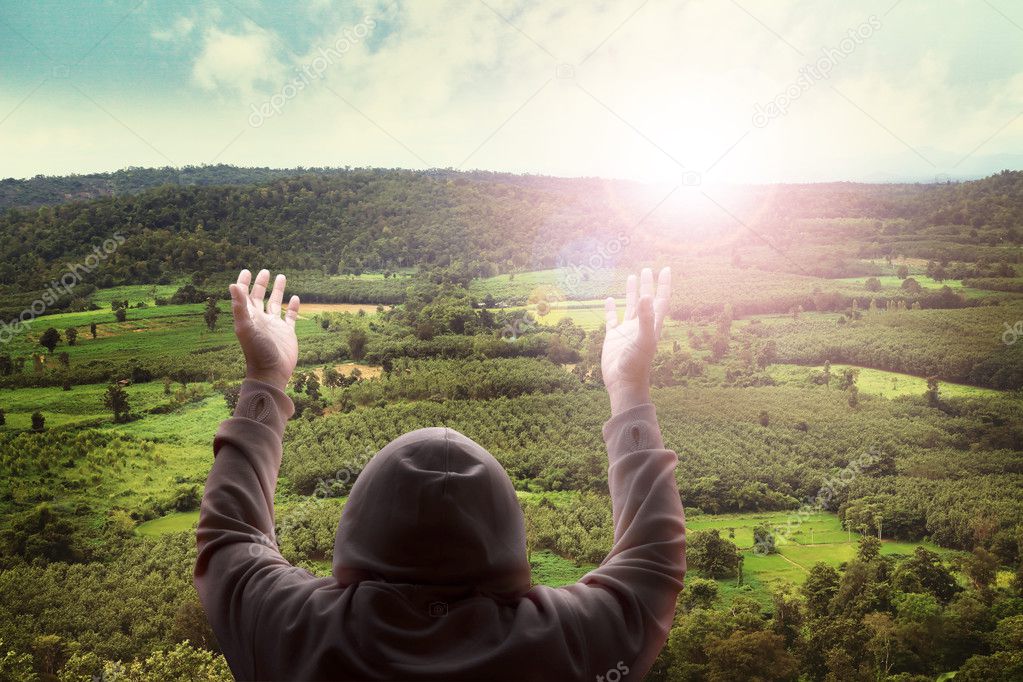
433	507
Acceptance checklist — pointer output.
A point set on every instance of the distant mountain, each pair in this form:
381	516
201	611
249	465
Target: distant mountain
217	218
48	190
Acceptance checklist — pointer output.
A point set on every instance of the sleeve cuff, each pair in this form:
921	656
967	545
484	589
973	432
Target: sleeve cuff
633	430
264	403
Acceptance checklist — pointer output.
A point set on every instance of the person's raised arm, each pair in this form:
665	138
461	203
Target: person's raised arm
238	558
628	602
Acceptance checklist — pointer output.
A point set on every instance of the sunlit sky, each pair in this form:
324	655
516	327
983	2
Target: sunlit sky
653	90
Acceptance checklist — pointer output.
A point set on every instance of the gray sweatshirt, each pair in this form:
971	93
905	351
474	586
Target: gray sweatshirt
430	578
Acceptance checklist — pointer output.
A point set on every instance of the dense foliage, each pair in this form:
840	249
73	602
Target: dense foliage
474	300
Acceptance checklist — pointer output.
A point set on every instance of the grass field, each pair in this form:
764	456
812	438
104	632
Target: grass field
819	537
882	383
171	523
891	282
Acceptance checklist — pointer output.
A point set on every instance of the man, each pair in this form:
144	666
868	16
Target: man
430	577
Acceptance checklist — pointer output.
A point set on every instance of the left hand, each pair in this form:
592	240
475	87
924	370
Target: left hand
630	344
268	341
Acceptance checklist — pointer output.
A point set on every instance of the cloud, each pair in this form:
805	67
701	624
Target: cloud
651	83
180	29
237	62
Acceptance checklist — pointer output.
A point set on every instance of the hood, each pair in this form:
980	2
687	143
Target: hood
433	507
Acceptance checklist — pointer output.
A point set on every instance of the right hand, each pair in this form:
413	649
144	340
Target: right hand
630	345
268	341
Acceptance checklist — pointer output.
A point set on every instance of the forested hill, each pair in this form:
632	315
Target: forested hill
477	222
43	190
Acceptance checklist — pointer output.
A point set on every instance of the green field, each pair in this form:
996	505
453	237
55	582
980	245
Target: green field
802	541
171	523
882	383
891	283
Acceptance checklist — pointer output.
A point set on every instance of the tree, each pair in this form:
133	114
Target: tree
932	392
71	334
872	284
116	400
120	315
764	418
788	615
882	642
211	313
231	394
869	548
92	329
925	571
3	417
49	339
15	666
981	567
763	539
902	272
312	386
820	587
712	555
357	339
700	593
911	285
332	378
38	422
747	656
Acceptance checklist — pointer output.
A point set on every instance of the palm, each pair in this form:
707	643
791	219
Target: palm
268	340
630	345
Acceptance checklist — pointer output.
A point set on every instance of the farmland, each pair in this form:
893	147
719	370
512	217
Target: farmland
853	382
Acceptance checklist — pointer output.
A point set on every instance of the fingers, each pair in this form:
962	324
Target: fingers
610	313
631	296
259	288
292	313
646	282
273	306
646	318
662	299
239	306
244	277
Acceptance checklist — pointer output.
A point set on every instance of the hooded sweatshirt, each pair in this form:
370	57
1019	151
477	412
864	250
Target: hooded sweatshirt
430	577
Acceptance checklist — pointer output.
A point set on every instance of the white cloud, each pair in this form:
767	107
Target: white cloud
237	62
449	78
179	29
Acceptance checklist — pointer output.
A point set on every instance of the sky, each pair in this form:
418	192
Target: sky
697	92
